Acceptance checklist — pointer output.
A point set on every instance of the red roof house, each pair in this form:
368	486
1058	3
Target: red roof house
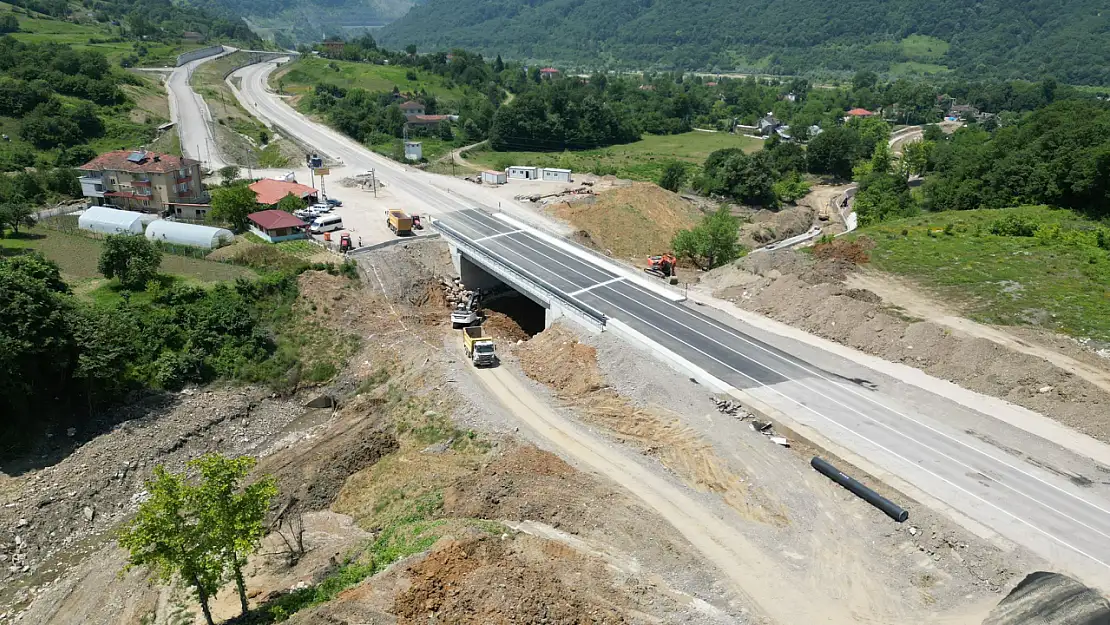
270	191
858	112
274	225
548	72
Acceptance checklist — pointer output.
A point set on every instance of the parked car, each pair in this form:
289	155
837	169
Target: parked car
326	223
307	214
320	207
334	203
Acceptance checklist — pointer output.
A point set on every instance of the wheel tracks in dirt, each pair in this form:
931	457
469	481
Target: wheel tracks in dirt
745	566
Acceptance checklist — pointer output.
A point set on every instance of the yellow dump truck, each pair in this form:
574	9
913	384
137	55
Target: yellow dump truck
478	345
398	222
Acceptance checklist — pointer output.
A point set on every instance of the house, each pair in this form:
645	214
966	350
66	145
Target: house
710	84
334	46
552	174
814	130
270	191
412	108
647	87
521	172
494	177
145	181
549	72
192	36
768	125
275	225
858	112
790	97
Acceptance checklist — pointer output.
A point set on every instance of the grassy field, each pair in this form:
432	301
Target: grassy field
924	48
39	28
642	160
77	257
915	68
302	75
1058	279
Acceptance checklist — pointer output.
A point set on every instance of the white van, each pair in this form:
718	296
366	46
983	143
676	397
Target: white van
326	223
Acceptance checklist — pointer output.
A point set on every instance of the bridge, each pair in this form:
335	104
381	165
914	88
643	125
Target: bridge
916	441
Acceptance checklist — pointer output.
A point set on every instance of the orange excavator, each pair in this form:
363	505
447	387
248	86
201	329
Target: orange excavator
662	265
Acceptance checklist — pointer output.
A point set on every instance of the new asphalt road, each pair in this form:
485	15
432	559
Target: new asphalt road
1058	519
1033	493
192	117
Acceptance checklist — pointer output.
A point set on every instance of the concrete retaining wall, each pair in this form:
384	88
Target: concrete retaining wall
199	53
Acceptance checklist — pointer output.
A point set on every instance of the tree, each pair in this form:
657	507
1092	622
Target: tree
444	131
748	178
290	203
15	215
833	152
231	515
411	49
130	258
232	205
229	174
9	24
166	536
916	157
674	174
711	243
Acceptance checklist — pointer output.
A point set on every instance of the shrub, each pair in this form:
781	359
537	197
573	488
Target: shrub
1013	226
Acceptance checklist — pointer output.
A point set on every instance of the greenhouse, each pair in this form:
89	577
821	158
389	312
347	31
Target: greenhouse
110	221
193	235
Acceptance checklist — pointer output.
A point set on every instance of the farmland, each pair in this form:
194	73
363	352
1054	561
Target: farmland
303	75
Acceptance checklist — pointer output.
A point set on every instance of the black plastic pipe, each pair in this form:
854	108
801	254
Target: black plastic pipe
891	509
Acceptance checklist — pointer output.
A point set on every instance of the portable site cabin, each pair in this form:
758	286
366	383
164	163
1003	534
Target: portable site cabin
523	173
493	177
193	235
551	174
110	221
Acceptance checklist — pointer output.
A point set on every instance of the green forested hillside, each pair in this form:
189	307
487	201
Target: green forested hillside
289	22
1067	39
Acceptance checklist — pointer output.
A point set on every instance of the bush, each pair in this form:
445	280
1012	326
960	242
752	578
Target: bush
131	259
1013	226
674	174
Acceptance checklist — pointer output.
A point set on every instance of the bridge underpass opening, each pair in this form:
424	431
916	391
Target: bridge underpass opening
531	316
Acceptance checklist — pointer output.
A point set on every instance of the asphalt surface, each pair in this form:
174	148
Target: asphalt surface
1050	511
1031	506
192	117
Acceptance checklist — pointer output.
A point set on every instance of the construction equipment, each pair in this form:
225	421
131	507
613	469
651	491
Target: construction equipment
465	313
416	225
344	243
663	265
398	222
479	346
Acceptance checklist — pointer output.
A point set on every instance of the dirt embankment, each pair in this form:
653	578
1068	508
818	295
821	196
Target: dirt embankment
631	222
557	359
810	293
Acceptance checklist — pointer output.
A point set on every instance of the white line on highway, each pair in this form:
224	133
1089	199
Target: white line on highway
846	428
590	288
494	236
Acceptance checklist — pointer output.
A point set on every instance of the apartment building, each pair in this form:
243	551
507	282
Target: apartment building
146	181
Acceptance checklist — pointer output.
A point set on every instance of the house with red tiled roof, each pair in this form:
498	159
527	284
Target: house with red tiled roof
858	112
412	107
145	181
427	120
277	225
270	191
549	72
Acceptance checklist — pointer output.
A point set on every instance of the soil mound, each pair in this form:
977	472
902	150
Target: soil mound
503	327
1050	599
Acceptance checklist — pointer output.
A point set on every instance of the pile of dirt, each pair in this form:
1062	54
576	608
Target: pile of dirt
524	580
810	294
557	359
767	226
503	327
855	251
402	270
629	222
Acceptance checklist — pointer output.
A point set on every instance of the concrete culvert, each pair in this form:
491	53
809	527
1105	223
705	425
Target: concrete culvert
1050	599
323	401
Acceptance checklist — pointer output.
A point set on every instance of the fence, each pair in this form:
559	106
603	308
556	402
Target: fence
199	53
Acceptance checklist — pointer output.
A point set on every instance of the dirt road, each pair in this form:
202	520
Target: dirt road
777	599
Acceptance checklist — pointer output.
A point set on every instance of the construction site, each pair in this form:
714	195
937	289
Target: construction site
474	462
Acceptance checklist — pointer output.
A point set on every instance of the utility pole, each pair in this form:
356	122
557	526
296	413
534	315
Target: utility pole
374	182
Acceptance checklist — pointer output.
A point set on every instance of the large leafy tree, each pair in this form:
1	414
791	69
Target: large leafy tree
232	205
711	243
130	258
747	178
16	215
167	536
833	151
230	514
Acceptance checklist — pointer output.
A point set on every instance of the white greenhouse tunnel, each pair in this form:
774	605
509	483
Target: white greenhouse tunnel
193	235
110	221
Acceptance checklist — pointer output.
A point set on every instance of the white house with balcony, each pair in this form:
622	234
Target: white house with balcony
144	181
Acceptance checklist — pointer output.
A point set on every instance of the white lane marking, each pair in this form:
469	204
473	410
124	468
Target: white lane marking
494	236
801	365
590	288
846	428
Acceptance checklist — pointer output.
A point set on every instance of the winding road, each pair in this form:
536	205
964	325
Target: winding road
992	474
